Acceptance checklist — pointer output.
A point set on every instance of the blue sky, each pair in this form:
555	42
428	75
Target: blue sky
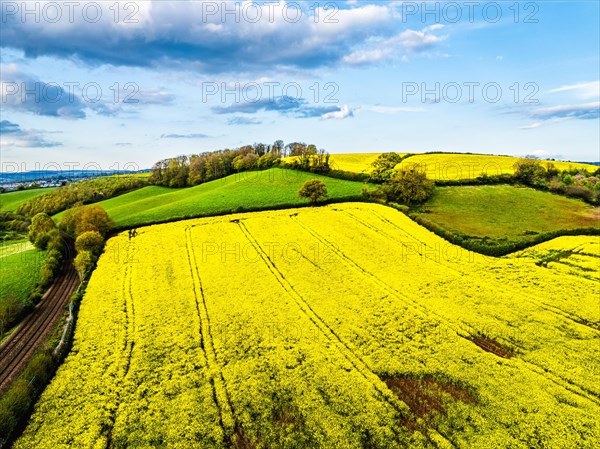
122	87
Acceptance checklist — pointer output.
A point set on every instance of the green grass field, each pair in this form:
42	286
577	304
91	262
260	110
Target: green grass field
19	270
506	213
244	191
11	201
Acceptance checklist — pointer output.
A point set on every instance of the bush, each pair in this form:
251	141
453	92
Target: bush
39	369
529	171
90	241
41	241
314	190
40	225
383	167
83	263
410	187
11	309
17	402
373	194
56	241
83	219
46	276
580	192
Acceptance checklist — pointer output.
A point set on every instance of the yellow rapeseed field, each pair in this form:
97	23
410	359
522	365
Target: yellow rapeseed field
346	326
352	162
447	166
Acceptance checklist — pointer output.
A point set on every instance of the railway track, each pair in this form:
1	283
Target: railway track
18	348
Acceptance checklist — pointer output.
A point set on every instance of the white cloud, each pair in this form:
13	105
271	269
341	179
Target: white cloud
194	34
343	113
408	41
580	111
581	90
531	126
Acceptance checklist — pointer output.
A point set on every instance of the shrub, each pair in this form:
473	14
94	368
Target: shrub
10	309
41	241
373	194
83	263
40	225
315	190
529	171
383	167
46	276
82	219
410	187
90	241
579	191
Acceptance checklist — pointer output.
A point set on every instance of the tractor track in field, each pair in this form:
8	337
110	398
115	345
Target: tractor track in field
395	240
463	330
217	381
330	334
539	303
22	343
128	345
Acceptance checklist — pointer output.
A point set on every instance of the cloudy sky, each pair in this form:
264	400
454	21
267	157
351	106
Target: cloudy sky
121	85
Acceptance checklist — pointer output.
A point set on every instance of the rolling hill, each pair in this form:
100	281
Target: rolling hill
10	201
245	191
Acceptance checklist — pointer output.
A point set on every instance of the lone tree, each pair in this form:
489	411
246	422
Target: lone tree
410	187
315	190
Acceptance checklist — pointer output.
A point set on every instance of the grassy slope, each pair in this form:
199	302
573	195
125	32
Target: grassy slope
506	212
253	190
10	201
19	272
468	166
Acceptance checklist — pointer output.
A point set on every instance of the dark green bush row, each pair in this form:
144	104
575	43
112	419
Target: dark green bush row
478	181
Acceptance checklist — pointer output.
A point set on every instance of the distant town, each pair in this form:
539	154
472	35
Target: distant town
54	178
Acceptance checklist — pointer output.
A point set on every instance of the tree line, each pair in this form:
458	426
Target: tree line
194	169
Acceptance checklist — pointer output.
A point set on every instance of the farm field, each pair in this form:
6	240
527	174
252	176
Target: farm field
447	166
20	265
10	201
502	214
356	162
247	190
330	327
573	255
